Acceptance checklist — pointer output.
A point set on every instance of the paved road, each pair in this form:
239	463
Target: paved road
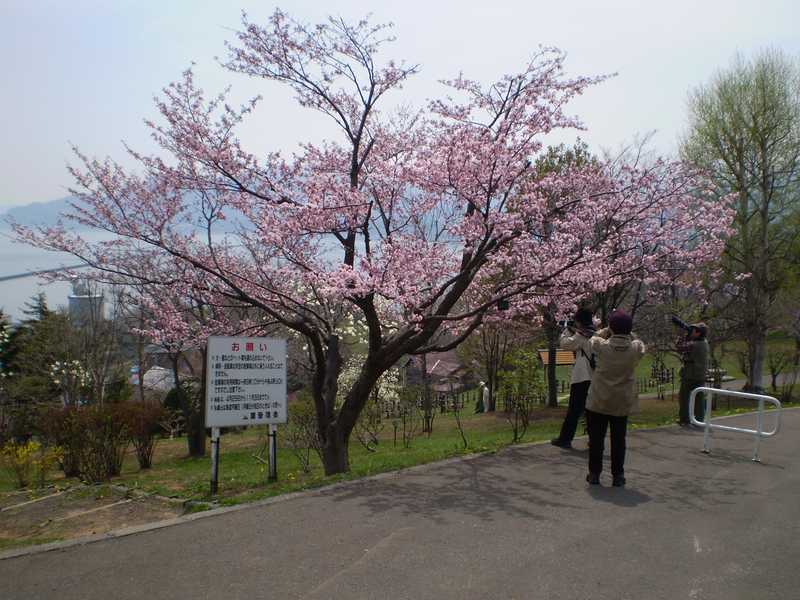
521	524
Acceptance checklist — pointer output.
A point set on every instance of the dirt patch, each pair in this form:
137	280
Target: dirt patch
76	512
12	498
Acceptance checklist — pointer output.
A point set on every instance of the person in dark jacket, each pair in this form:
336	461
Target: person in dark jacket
576	338
612	395
694	354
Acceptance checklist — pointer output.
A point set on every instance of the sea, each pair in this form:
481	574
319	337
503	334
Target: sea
18	259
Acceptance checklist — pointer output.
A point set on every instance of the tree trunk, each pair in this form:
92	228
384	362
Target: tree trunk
340	424
197	436
140	359
552	382
427	403
196	439
756	350
492	345
335	454
194	416
796	361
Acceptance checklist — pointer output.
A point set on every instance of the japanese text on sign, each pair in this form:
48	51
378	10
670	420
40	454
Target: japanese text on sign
245	381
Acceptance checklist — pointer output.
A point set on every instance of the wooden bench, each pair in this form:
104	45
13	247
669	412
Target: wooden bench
563	357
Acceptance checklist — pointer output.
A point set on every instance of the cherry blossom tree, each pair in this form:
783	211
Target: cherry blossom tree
418	224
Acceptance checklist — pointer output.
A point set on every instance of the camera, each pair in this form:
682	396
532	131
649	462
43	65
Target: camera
678	322
585	329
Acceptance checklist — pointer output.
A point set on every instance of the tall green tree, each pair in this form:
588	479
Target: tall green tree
5	372
43	338
744	130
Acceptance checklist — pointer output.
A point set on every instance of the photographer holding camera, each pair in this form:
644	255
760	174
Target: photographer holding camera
575	337
694	356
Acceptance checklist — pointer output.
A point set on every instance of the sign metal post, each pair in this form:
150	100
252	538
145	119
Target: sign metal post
273	453
214	460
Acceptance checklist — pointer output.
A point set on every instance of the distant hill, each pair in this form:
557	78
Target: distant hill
38	213
48	213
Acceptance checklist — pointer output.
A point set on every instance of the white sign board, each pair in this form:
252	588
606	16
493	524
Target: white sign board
245	381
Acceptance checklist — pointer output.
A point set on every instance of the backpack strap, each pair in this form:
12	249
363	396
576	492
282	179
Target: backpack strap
590	359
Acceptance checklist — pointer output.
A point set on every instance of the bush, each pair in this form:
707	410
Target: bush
188	400
92	439
22	422
5	422
522	384
29	457
174	400
302	434
407	416
118	390
143	421
63	427
45	458
19	459
105	441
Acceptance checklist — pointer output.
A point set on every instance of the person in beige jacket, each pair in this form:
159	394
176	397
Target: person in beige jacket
612	395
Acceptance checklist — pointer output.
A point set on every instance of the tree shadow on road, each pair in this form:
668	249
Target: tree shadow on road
488	487
538	482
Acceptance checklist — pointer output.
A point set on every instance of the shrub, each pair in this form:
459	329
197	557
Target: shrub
45	458
174	400
118	390
92	439
143	421
19	459
188	399
29	457
105	442
522	384
370	422
407	417
5	426
63	427
22	422
301	430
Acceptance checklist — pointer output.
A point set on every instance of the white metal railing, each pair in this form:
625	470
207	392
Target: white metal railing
707	425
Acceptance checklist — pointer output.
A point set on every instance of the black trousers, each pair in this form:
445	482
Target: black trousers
687	385
597	424
577	403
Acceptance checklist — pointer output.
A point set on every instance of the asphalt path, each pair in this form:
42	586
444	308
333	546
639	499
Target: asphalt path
520	524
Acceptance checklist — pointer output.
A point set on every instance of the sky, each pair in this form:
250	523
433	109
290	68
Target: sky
84	72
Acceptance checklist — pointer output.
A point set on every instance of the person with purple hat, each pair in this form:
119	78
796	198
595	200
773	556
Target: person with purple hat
612	395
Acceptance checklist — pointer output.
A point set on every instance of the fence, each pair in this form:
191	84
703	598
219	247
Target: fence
446	402
657	381
463	400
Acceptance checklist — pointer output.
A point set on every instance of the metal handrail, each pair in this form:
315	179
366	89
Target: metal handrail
707	425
